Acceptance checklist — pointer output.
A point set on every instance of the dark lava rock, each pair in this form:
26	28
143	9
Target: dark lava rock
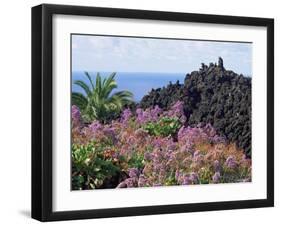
212	95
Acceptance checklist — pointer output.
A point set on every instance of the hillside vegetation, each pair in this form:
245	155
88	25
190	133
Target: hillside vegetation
212	95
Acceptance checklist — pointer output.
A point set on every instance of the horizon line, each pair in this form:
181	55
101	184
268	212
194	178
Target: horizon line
146	72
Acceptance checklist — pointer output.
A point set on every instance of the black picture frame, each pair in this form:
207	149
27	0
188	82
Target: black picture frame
42	111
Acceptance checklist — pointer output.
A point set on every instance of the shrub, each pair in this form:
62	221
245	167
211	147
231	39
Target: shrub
124	153
164	127
91	166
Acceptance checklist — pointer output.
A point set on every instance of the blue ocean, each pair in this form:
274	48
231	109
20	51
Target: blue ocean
139	83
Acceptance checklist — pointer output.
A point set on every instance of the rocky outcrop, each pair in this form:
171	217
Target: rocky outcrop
212	95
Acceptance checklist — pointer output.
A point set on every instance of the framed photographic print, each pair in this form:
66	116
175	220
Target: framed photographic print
145	112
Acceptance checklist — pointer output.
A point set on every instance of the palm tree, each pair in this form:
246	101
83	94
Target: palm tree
99	103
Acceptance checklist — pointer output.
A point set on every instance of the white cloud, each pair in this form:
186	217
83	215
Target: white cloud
106	53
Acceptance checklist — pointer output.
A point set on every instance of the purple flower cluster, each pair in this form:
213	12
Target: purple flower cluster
165	143
216	178
177	111
129	183
76	116
126	116
193	155
133	172
110	133
188	178
217	166
136	179
191	135
148	115
95	126
230	162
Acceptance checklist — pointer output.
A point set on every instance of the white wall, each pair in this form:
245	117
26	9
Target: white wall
15	93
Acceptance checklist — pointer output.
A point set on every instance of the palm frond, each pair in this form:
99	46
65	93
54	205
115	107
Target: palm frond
108	85
115	103
84	86
98	87
90	79
79	100
124	95
108	88
109	79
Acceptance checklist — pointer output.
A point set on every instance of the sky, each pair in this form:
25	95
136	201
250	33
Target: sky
127	54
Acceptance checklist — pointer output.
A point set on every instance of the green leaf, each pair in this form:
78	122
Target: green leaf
84	86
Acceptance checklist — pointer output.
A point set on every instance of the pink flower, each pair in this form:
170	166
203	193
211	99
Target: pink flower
216	177
76	116
217	166
230	162
95	126
133	172
125	116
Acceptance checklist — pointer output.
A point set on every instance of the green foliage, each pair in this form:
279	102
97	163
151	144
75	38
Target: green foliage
100	103
205	175
171	179
90	168
77	182
136	161
164	127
